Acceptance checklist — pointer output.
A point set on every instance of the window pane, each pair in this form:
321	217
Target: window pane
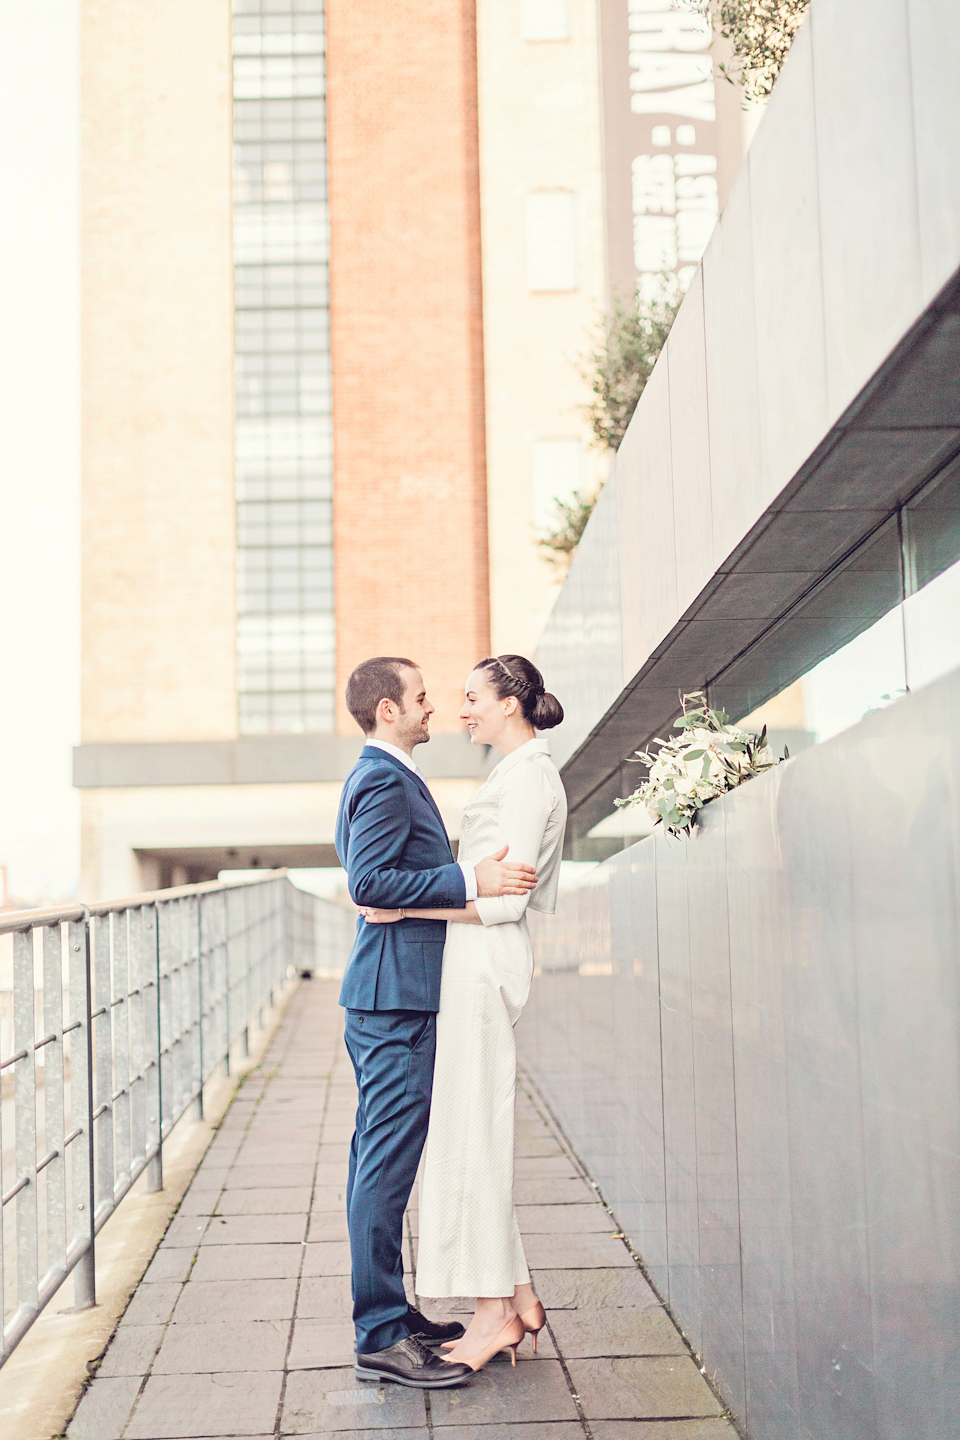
551	240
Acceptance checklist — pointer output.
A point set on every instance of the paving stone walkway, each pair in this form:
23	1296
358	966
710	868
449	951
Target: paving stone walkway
241	1325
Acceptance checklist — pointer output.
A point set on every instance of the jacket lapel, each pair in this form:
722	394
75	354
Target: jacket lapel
373	752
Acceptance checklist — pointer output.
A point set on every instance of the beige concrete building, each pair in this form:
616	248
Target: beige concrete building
544	287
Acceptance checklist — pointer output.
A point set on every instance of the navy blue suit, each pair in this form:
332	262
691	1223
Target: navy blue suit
393	845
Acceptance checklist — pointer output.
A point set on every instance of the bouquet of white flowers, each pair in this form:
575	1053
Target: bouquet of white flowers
707	758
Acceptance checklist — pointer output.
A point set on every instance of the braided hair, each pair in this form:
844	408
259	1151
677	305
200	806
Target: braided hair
514	675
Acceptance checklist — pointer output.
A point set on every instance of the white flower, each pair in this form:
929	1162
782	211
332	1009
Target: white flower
708	757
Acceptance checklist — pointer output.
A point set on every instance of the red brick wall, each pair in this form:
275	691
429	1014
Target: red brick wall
410	492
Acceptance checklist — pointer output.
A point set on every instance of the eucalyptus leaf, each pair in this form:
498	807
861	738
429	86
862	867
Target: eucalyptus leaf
668	793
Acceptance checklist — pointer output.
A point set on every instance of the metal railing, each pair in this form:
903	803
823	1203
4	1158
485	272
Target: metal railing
121	1012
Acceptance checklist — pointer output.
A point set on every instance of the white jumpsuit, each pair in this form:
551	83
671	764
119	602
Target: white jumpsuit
469	1239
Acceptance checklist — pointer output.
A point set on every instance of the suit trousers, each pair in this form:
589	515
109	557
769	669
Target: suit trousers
392	1053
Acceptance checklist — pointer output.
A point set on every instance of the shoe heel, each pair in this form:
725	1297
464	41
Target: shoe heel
533	1321
513	1355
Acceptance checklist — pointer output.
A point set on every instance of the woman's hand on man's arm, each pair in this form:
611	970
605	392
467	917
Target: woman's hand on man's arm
374	916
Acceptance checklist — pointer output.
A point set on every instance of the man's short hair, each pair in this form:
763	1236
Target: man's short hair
372	681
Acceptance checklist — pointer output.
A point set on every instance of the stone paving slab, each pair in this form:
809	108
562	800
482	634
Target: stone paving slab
662	1430
254	1299
266	1177
152	1304
325	1297
255	1229
172	1266
323	1400
577	1252
421	1433
550	1190
242	1325
590	1334
294	1200
329	1197
542	1430
321	1344
585	1289
564	1219
174	1407
328	1225
105	1408
534	1390
642	1388
556	1166
185	1231
248	1262
132	1350
222	1345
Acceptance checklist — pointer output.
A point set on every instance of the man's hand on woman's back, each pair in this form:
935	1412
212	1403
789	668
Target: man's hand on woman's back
497	877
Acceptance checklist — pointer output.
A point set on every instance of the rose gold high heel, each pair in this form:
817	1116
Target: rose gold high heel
533	1321
509	1338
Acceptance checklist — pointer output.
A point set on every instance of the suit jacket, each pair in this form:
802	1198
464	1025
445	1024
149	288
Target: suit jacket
393	845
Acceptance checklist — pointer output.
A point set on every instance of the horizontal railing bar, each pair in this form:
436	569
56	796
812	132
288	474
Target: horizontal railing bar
20	1323
97	1013
47	1040
41	1165
27	919
20	1055
15	1190
74	1135
102	1111
16	920
206	887
75	1026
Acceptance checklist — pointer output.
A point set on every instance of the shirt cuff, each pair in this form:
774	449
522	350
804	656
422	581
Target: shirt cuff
469	880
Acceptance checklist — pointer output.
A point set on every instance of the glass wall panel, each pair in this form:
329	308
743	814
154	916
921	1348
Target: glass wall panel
284	440
844	604
885	621
931	611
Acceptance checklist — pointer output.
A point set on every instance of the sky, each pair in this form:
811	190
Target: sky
39	447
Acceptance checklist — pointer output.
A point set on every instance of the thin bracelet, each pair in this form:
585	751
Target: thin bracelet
403	914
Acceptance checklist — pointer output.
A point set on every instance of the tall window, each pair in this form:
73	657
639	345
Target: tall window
284	439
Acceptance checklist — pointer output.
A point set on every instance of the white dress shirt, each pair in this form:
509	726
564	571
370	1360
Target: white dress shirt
469	874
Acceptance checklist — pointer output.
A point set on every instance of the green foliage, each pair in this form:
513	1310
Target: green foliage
709	757
626	349
570	523
760	32
629	343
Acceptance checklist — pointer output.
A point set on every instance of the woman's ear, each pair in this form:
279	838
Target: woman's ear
510	704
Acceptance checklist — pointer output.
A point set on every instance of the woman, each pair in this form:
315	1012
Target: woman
469	1238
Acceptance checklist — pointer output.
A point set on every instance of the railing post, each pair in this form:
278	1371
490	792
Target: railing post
198	1103
227	978
154	1180
85	1272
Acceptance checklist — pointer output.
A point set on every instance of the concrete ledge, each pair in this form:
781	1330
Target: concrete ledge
256	760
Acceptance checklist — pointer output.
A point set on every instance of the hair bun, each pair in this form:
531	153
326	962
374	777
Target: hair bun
547	711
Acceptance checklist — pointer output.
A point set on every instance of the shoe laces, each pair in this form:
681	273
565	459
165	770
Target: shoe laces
422	1351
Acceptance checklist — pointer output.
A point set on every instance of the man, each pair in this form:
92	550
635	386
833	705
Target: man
393	845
